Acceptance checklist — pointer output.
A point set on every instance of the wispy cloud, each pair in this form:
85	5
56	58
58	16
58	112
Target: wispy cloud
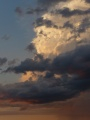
3	61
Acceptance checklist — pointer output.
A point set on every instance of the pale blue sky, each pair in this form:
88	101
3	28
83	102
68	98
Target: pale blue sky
20	30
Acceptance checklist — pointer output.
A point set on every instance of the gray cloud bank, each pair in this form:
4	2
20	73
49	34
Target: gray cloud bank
74	68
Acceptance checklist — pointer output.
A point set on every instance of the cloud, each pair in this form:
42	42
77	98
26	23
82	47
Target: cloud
47	3
29	75
68	25
60	69
66	12
73	67
36	10
5	37
45	90
30	47
85	24
12	62
72	62
62	32
3	61
29	11
19	11
39	64
88	1
44	22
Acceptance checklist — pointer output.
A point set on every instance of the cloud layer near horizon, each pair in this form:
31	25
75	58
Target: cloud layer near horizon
73	68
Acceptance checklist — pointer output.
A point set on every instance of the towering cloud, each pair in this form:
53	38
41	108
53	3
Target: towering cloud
60	69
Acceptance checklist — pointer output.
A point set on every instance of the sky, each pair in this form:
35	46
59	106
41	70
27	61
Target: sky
15	33
45	59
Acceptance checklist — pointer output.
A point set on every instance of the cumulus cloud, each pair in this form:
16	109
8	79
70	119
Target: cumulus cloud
60	69
59	33
73	67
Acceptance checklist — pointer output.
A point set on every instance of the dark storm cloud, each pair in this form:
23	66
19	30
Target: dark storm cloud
66	12
44	90
75	62
3	61
49	75
74	68
30	64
